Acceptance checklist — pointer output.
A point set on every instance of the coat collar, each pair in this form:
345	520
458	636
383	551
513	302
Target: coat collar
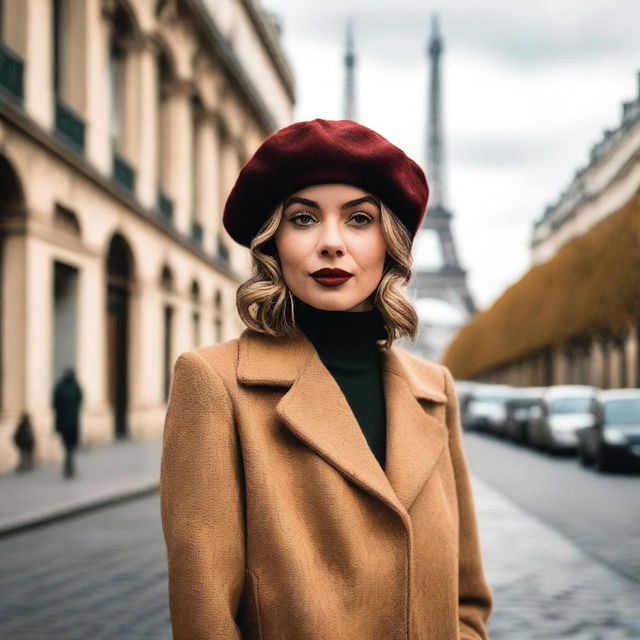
415	438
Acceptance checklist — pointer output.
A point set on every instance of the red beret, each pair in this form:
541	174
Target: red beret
323	151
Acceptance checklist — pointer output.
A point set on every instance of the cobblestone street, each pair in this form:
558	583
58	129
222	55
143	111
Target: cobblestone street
102	574
545	587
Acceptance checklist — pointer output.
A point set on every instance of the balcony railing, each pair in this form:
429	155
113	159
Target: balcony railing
223	251
69	126
11	73
164	207
196	232
123	173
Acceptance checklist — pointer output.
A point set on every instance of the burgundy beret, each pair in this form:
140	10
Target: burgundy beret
323	151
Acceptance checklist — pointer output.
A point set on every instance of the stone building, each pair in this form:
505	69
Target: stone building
574	317
123	124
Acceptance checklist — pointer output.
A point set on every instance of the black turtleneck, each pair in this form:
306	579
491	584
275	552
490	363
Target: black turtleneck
346	344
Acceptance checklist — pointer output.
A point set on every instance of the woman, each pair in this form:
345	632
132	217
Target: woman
313	480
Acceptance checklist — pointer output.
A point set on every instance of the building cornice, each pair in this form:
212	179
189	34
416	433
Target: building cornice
223	50
273	49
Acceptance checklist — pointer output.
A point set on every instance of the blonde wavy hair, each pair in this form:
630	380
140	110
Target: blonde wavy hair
262	303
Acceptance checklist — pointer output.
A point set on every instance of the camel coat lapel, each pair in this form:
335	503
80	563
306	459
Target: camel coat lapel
316	411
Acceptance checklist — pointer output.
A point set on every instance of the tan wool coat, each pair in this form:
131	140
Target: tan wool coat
279	522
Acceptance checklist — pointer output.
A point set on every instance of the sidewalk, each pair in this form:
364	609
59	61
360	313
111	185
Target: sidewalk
105	474
545	588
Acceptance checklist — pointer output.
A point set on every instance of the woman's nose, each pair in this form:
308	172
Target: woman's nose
331	239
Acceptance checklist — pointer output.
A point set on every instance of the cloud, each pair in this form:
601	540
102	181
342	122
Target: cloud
526	34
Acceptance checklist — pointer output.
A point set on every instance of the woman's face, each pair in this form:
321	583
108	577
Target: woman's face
331	226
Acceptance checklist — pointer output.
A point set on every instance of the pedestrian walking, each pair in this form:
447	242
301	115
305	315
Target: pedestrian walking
67	399
313	481
25	441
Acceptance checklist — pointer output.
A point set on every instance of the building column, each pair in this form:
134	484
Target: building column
606	363
183	330
147	124
615	363
230	165
179	150
597	363
560	365
13	336
98	140
227	179
37	334
93	347
631	356
210	213
38	61
146	367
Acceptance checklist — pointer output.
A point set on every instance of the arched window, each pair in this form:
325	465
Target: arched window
120	280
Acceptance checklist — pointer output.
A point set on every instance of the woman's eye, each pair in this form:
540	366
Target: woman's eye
297	217
363	216
362	219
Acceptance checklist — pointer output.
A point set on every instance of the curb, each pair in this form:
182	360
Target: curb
62	511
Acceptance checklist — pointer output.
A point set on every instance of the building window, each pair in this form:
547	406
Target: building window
69	125
217	316
122	106
116	90
164	204
59	47
11	64
195	315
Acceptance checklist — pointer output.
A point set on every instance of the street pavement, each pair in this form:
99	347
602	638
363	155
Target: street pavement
545	586
599	512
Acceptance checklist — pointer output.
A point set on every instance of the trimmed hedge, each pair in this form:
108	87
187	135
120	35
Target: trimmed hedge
591	286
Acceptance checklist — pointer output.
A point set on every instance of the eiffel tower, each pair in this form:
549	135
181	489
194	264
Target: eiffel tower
350	77
448	282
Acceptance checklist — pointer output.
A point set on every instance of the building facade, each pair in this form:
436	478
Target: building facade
123	125
608	180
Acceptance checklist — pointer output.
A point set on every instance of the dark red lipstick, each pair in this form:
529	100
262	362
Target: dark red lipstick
331	277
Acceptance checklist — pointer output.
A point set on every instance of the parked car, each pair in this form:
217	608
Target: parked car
613	442
464	391
486	409
555	419
516	425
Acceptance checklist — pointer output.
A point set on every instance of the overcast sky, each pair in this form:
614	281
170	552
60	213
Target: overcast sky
528	88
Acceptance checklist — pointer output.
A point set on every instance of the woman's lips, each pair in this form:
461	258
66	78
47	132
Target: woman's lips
330	281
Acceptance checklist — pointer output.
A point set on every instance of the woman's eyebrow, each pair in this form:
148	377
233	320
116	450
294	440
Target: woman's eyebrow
315	205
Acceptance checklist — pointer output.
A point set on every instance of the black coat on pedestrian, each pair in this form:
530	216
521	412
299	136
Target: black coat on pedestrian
24	437
67	398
